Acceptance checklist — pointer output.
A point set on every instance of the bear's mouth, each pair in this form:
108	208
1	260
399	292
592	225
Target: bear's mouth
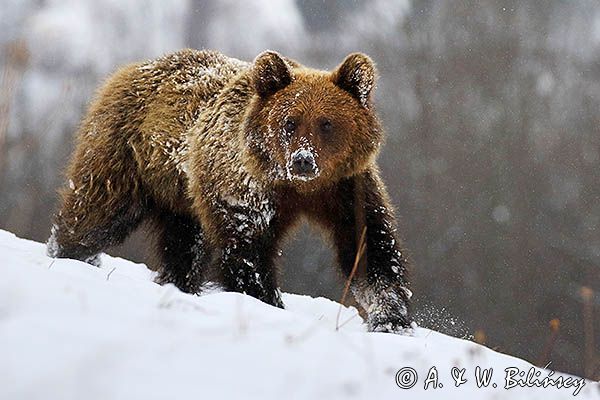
302	165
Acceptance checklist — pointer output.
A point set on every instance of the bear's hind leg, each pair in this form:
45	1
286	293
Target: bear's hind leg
183	252
103	201
82	234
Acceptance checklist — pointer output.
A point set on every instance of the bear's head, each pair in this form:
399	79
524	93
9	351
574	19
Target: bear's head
307	128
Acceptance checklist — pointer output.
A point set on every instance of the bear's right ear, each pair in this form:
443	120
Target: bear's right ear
270	73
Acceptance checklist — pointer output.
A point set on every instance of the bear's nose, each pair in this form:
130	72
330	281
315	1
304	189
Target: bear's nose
303	163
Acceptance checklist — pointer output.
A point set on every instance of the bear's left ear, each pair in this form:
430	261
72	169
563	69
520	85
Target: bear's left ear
271	73
357	75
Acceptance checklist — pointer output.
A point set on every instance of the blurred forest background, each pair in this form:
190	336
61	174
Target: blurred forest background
492	111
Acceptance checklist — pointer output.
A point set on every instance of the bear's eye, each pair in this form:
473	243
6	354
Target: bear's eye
289	126
326	126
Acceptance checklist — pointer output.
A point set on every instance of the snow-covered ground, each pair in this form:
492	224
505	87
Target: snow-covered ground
72	331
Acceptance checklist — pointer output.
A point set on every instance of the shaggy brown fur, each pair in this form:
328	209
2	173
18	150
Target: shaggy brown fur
225	156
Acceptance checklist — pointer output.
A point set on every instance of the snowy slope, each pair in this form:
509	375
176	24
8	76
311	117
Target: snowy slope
72	331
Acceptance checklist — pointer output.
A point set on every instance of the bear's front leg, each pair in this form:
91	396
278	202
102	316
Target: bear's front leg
380	286
248	239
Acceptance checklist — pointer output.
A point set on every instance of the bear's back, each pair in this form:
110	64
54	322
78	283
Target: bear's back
175	89
198	72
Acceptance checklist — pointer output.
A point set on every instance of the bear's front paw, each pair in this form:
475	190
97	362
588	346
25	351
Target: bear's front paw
278	303
399	325
273	299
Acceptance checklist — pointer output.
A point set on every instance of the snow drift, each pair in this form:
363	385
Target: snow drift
72	331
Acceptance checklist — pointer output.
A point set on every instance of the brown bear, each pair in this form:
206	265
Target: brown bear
224	156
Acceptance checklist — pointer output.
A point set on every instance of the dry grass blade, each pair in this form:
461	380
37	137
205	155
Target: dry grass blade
348	320
362	247
110	273
587	295
549	346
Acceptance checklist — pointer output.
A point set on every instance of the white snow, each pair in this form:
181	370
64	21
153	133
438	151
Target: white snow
501	214
72	331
